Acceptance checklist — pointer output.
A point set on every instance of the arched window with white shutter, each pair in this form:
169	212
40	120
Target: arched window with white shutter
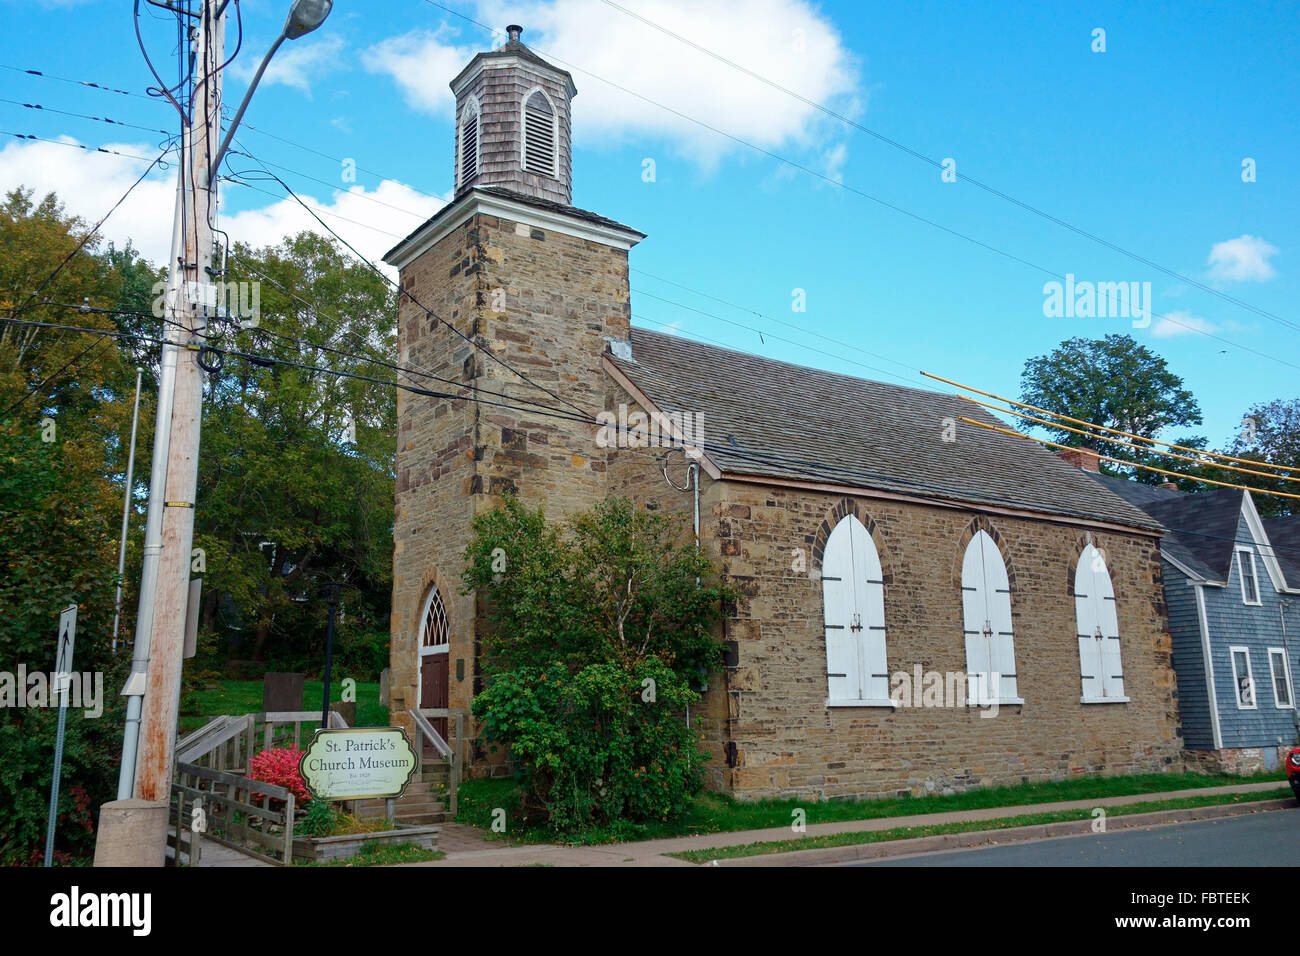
540	126
1098	630
986	616
853	595
468	142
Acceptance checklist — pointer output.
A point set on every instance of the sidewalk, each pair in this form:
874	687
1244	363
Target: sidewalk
465	845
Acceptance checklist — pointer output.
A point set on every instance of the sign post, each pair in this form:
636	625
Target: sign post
62	678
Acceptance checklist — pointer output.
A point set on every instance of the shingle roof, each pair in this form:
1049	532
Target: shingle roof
1202	527
1284	535
768	418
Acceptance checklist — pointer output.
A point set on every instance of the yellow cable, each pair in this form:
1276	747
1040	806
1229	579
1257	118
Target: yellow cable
1105	428
1116	441
1121	461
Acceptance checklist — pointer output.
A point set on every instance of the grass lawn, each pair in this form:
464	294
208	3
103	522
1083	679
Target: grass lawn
373	854
907	833
716	813
245	697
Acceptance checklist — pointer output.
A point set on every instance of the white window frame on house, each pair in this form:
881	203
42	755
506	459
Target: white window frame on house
1254	577
1236	678
1097	627
1286	674
987	623
554	171
471	107
853	609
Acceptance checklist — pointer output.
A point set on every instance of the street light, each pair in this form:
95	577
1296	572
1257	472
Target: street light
304	17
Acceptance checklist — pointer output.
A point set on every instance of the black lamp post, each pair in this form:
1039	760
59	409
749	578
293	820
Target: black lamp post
329	657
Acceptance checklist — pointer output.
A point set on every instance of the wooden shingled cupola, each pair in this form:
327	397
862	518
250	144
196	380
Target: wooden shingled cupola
513	123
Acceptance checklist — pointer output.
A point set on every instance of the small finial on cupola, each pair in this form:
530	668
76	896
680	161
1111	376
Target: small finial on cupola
513	32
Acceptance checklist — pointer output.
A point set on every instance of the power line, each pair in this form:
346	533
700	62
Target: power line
407	294
841	185
1146	448
1130	464
81	146
1104	428
796	465
938	164
100	119
244	125
90	233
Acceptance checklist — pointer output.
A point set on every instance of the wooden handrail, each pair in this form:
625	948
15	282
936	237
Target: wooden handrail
423	726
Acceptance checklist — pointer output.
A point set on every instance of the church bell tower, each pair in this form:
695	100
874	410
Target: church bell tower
513	123
510	297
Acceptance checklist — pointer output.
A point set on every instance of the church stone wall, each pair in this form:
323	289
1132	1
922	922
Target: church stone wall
788	742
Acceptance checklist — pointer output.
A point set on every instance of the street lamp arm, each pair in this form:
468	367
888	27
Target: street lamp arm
215	169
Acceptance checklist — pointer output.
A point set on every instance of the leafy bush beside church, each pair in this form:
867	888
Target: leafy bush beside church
599	643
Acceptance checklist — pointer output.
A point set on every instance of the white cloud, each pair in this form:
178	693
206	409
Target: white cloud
365	218
296	64
88	183
1244	259
789	41
1180	323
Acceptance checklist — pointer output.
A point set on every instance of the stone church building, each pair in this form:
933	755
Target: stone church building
925	605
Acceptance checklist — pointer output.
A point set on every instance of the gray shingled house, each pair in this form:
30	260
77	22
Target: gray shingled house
1230	581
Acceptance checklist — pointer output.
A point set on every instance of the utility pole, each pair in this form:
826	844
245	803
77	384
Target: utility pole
190	309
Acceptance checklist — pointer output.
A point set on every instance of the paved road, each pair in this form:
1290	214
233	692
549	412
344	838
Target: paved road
1256	839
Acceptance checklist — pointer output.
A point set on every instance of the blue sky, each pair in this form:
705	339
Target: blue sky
1142	145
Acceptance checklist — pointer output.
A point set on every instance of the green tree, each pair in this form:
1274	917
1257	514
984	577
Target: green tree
64	423
296	466
1115	382
600	637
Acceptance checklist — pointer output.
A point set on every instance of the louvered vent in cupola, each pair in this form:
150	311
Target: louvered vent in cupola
469	143
539	129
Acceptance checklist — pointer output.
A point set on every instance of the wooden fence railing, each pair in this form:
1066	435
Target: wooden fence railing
253	817
454	755
226	742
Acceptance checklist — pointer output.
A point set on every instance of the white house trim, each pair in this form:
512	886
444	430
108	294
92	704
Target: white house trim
1246	598
1215	731
1233	650
474	202
1286	673
1266	555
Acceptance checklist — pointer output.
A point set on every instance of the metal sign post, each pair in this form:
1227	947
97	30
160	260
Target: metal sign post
62	678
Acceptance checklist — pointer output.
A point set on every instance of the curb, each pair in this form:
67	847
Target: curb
976	838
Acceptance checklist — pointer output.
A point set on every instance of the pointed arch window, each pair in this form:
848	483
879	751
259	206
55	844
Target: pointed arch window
540	131
1098	630
986	616
853	596
468	142
434	633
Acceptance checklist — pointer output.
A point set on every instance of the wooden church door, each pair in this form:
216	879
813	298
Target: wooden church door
434	646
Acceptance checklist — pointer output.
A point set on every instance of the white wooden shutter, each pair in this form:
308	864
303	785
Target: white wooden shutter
975	621
870	588
1095	598
1112	669
986	612
998	590
853	592
839	601
1088	626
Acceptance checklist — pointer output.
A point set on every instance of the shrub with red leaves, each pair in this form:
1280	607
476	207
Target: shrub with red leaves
280	767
